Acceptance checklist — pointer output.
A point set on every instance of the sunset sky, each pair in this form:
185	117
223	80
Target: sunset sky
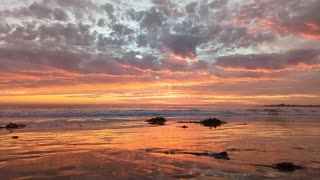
160	51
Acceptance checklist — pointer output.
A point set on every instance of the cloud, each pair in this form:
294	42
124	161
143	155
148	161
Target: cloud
181	42
152	19
270	61
42	11
191	8
183	45
280	17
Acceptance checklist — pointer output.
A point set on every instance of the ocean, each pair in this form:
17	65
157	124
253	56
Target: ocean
115	142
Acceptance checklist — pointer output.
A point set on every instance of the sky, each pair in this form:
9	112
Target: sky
160	51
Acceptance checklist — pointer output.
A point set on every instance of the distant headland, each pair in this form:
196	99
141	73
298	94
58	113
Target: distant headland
290	105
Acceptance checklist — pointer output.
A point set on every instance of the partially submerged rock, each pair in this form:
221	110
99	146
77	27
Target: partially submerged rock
212	122
222	155
184	126
242	124
286	166
283	166
14	126
299	148
157	121
172	151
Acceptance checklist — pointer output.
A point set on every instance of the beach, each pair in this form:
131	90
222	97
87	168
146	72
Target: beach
115	142
159	89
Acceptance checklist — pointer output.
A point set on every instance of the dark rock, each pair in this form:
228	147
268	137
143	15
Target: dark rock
15	137
212	122
286	166
184	126
170	152
242	124
152	149
157	121
222	155
197	153
299	148
14	126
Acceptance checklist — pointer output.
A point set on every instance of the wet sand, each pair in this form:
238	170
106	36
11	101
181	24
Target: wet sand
129	149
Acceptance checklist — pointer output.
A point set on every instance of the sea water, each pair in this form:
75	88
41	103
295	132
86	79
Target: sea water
114	141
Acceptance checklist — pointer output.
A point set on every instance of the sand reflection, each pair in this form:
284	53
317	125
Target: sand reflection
119	151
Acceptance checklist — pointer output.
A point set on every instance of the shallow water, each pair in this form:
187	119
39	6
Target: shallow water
111	143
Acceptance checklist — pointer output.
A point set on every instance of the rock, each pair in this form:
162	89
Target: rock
170	152
222	155
299	148
184	126
15	137
14	126
242	124
157	121
286	166
212	122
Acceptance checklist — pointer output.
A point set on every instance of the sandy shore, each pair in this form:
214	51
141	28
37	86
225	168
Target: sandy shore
136	150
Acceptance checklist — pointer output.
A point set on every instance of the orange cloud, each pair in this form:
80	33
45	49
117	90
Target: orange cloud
310	36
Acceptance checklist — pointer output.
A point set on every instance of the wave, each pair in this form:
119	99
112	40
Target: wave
106	113
166	113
